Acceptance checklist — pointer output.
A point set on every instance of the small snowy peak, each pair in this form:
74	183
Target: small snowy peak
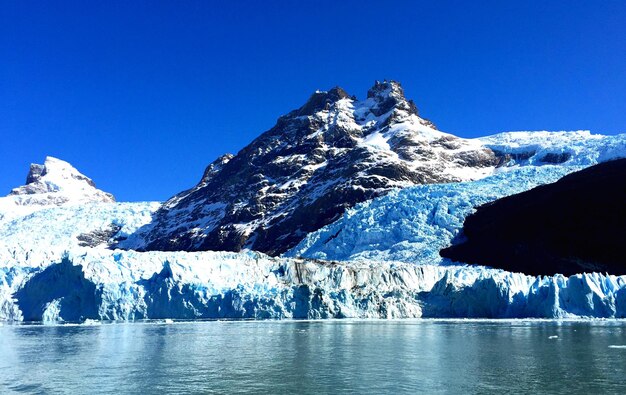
56	176
385	89
54	183
386	105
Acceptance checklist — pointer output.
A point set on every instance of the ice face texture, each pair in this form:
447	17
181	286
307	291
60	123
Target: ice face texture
99	284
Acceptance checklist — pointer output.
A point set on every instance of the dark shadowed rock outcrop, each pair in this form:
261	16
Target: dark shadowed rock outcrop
575	225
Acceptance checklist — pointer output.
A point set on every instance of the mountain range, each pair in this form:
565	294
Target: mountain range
345	208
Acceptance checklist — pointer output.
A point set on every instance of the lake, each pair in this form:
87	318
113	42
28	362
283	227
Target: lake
341	356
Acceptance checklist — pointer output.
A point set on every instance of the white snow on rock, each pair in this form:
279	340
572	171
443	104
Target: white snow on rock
54	183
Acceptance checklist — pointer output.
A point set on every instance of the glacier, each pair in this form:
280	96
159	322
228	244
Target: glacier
379	260
577	148
413	224
67	282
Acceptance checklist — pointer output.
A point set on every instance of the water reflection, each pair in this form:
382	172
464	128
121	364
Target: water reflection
316	357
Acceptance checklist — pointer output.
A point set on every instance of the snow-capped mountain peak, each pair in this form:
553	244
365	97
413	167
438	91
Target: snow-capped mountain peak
53	183
53	176
321	100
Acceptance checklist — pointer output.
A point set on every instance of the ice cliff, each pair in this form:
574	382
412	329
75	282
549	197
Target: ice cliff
115	285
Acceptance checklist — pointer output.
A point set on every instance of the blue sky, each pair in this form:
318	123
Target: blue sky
142	96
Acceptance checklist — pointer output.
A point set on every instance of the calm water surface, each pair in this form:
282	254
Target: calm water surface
316	357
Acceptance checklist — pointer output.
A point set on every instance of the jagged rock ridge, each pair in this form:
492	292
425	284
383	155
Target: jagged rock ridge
317	161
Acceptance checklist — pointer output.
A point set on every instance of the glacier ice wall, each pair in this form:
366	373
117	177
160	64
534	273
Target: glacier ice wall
122	285
580	148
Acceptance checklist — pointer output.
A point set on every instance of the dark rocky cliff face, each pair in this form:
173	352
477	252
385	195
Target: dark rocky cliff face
317	161
575	225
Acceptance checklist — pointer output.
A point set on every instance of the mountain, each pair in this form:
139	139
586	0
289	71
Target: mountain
55	183
363	196
571	226
330	154
61	207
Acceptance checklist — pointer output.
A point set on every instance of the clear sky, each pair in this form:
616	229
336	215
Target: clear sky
141	96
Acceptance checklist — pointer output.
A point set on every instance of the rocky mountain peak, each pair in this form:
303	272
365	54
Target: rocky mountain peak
321	100
330	154
386	89
52	169
215	167
34	173
389	95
